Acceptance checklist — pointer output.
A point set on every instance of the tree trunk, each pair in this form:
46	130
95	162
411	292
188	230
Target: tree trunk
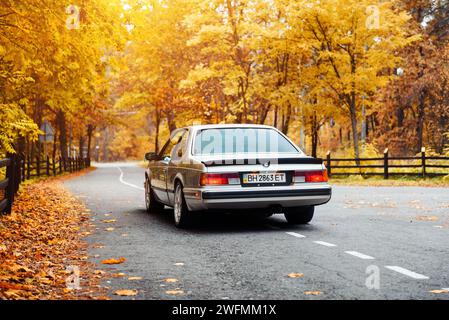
420	121
90	130
60	118
286	120
355	136
263	115
55	139
314	130
156	137
275	121
81	146
400	116
170	120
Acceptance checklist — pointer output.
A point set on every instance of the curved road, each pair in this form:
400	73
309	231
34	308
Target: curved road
366	243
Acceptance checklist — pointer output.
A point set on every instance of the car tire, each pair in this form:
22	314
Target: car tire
182	215
151	204
299	215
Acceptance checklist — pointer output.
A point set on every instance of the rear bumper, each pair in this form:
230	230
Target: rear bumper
230	197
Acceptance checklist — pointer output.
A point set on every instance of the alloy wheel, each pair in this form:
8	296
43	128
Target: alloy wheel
178	204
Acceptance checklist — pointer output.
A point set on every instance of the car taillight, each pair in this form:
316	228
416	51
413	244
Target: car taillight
215	179
310	176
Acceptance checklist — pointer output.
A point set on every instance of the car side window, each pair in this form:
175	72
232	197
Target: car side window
181	148
166	152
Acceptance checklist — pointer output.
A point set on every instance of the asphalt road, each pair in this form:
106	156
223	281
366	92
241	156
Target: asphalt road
399	233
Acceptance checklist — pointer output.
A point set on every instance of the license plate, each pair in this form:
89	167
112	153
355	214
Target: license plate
256	178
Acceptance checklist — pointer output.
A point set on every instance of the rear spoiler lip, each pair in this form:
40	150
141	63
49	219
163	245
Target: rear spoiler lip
253	161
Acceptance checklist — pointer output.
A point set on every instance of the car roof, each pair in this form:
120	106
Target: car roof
223	126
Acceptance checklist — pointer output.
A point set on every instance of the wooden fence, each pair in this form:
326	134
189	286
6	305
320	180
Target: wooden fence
386	166
20	168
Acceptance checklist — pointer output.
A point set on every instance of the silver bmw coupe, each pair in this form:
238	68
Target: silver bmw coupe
242	168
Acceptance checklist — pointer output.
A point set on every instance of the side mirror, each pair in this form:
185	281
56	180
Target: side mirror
151	156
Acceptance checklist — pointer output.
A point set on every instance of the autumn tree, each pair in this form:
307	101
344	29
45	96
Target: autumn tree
53	55
351	49
414	109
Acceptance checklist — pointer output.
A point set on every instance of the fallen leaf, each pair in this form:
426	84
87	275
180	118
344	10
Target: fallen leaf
314	293
13	294
171	280
427	218
2	247
118	275
45	281
124	235
135	278
439	291
109	221
13	286
110	229
174	292
99	272
126	292
295	275
19	268
113	261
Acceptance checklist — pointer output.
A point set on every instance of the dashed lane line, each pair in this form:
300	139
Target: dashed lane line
359	255
297	235
326	244
408	273
127	183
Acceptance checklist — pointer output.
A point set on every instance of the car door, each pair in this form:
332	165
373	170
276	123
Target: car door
176	166
159	178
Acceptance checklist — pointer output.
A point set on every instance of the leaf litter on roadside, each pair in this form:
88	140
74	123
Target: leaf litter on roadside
40	239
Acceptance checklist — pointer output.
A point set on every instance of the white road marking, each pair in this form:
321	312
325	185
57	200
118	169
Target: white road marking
408	273
327	244
359	255
297	235
127	183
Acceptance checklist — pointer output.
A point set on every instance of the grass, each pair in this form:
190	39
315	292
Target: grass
358	180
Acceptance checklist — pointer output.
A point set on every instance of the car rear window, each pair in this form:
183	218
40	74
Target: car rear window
241	140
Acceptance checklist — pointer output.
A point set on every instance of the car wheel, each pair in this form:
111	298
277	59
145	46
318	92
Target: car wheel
181	212
151	203
299	215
